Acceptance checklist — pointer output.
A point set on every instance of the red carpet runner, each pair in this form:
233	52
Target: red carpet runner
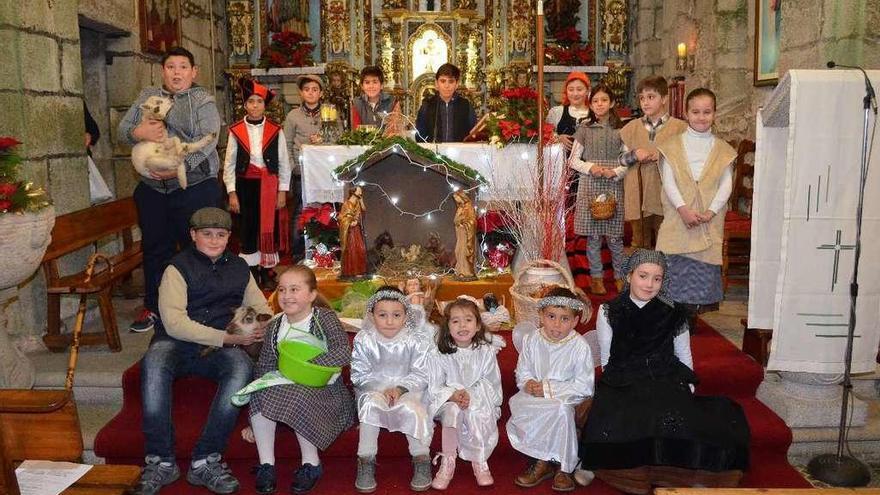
722	368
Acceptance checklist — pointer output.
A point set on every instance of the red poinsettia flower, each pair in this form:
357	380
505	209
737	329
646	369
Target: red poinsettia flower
8	142
490	221
5	204
322	214
569	34
7	189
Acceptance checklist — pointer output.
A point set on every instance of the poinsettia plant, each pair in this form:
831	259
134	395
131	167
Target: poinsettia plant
16	195
319	224
566	48
288	49
517	120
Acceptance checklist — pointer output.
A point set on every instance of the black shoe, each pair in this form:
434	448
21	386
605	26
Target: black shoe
265	478
305	478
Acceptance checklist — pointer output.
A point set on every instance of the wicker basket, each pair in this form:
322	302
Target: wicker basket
603	210
525	306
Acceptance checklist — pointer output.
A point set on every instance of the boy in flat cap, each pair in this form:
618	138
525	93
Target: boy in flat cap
199	292
257	176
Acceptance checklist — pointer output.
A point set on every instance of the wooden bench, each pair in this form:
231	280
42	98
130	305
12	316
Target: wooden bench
44	425
74	231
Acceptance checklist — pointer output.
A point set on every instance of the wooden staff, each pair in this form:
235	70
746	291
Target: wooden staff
80	320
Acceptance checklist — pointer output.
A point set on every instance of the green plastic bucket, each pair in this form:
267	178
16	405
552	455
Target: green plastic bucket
293	362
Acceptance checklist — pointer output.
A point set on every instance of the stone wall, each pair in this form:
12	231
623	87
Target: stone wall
722	33
58	54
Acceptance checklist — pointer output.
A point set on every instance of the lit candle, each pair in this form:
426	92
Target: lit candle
328	112
682	50
540	7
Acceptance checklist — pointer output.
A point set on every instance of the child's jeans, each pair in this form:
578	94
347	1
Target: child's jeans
594	255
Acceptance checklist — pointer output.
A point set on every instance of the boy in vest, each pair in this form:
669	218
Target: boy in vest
257	176
199	292
164	208
445	117
641	185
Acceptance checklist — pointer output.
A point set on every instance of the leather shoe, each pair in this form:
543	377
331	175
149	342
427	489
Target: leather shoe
535	473
563	482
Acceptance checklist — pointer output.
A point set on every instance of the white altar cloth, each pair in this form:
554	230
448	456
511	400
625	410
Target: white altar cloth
508	170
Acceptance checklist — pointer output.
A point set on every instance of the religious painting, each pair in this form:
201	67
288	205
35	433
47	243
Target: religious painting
159	24
768	21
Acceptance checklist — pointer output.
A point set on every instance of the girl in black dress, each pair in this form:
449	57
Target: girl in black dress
646	427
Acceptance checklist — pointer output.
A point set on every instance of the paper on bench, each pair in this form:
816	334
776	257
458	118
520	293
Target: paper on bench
48	477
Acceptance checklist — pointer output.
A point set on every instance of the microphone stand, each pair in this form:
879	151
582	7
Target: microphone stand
838	469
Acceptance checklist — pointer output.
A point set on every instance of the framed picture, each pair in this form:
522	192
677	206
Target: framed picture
160	25
768	20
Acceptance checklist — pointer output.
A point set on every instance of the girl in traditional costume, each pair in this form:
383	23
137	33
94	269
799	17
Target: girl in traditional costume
646	427
317	415
465	392
389	370
697	172
555	375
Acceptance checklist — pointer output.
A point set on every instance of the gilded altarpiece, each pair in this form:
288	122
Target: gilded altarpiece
491	41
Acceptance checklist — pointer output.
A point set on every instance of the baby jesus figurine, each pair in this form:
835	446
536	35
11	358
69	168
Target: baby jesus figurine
416	293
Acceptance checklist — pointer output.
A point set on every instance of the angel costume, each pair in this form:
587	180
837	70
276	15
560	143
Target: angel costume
379	363
474	369
543	427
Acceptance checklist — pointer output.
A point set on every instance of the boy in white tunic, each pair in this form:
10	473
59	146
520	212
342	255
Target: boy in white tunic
390	374
554	374
465	392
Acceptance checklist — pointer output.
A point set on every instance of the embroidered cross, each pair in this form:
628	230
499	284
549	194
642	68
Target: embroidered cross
837	247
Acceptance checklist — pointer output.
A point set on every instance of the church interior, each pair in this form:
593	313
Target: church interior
72	255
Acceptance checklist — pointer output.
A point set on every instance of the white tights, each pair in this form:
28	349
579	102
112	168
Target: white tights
368	444
264	434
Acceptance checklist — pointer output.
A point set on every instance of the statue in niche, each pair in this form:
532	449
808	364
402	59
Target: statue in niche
614	33
338	93
429	53
465	231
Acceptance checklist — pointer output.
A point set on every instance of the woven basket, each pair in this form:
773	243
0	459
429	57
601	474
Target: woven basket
603	210
525	306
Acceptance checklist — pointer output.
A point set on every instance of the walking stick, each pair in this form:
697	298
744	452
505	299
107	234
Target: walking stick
80	320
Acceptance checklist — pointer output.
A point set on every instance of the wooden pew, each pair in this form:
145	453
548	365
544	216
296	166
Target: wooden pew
43	424
72	232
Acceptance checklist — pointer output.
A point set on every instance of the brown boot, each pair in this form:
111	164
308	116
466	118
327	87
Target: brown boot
563	482
637	240
537	472
597	286
619	284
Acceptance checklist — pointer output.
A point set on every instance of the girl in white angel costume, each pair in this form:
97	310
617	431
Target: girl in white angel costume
389	370
554	374
465	392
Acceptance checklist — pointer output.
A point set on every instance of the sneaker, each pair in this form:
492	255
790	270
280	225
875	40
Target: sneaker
213	475
445	472
155	475
421	478
305	478
482	473
144	322
265	478
366	475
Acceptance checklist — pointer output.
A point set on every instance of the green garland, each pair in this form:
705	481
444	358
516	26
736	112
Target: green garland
412	148
359	137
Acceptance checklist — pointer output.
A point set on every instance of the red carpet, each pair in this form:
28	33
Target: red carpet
722	368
